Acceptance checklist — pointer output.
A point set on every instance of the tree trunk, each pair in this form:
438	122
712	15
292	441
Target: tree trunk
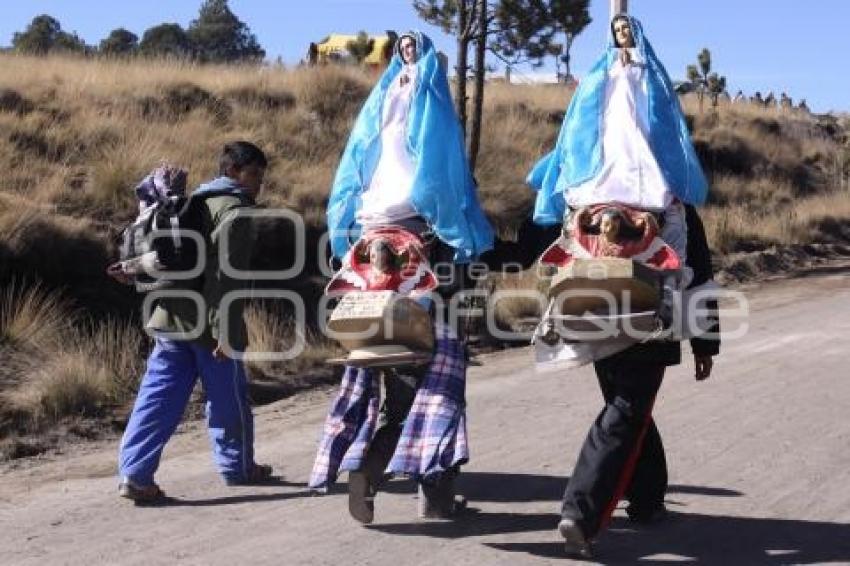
462	64
480	70
568	45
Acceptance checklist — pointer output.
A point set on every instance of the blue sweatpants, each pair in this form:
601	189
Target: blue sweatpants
172	369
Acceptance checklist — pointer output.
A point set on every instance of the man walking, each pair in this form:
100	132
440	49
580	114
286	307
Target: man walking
192	342
623	455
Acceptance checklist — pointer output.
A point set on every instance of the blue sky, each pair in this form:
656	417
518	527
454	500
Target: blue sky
778	45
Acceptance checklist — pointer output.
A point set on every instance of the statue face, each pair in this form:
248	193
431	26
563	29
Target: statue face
407	48
609	227
380	256
623	33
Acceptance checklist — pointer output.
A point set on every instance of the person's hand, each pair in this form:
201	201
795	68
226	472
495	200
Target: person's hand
116	271
703	365
625	57
218	353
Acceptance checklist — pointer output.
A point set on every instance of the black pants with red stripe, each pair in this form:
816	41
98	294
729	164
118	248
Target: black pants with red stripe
622	454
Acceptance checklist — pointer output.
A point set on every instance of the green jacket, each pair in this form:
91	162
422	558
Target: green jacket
180	315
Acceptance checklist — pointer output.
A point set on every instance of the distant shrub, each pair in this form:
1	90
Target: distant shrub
12	101
265	100
334	95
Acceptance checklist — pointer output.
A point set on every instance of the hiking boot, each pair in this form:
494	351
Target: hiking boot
139	493
438	501
361	497
575	543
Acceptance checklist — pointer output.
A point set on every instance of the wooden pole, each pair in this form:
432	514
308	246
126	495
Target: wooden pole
619	7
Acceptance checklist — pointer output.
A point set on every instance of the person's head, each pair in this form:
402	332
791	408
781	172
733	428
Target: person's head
407	48
621	27
245	163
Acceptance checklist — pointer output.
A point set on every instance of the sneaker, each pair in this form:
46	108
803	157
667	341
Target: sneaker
361	497
575	543
139	493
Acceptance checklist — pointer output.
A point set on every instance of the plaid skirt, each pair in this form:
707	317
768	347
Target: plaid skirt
433	438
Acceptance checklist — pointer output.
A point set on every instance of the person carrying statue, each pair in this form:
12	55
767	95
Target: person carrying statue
405	169
625	141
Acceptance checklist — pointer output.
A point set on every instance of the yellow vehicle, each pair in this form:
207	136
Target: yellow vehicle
334	49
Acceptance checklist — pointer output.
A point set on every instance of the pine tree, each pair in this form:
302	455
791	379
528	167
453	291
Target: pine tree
166	40
217	35
70	43
570	17
44	35
119	42
521	31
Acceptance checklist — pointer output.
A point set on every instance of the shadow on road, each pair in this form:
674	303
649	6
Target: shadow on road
711	540
474	523
246	497
520	488
686	536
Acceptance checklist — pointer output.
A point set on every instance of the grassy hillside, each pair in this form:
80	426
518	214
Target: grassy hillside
76	135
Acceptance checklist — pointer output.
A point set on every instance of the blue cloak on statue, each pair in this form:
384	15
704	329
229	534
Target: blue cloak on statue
444	191
577	156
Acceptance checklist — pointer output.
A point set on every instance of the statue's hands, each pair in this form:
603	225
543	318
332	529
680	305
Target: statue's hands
625	57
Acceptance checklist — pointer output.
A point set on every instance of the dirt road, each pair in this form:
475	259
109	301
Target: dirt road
759	461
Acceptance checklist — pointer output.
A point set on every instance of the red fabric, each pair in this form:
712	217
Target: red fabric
665	259
596	245
628	471
556	255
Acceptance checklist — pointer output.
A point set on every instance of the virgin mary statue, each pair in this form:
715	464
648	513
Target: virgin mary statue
624	139
405	162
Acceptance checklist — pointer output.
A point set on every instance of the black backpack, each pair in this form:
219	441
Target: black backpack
160	248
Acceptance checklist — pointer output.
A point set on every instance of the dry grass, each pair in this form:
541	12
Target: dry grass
57	366
808	220
273	332
31	318
96	370
118	348
93	127
68	384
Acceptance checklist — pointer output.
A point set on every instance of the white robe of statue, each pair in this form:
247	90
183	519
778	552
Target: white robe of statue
630	173
388	197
